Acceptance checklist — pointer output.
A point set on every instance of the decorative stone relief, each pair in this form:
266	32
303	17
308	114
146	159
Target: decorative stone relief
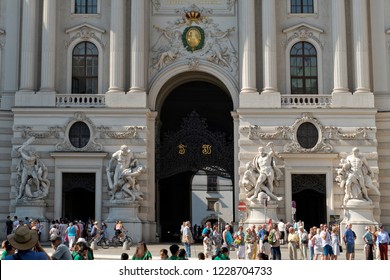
255	132
85	32
166	7
91	146
212	43
303	32
27	131
130	133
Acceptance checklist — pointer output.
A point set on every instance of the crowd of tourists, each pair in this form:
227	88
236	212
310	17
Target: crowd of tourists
69	241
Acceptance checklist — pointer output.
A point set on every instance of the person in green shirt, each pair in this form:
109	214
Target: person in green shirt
174	249
8	249
142	252
224	255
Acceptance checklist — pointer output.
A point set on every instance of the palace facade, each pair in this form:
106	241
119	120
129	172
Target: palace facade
194	88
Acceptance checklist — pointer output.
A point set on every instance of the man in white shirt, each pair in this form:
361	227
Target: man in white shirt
327	248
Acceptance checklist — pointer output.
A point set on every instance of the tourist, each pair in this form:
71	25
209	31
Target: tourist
142	252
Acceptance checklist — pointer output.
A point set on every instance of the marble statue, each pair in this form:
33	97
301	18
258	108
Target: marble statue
356	177
122	172
32	173
262	176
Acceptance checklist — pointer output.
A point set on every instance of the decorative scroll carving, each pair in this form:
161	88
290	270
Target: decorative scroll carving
216	46
27	131
130	133
85	32
326	133
303	32
360	133
91	146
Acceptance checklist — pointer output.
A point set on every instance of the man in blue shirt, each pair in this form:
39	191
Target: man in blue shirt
349	240
25	240
383	242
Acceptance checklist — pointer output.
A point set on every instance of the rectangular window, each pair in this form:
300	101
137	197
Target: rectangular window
212	185
86	7
302	6
210	203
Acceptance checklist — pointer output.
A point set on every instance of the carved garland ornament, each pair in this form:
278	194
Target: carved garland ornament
255	132
92	146
27	132
130	133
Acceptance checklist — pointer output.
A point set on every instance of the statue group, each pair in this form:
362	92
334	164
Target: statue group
122	173
32	182
356	177
262	175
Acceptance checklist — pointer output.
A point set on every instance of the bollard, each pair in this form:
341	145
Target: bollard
94	245
126	246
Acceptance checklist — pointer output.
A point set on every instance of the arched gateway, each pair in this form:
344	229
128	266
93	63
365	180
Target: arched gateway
194	137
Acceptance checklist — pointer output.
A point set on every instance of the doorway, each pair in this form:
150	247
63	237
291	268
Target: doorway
194	132
78	196
309	194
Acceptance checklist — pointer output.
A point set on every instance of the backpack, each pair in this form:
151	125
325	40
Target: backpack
271	238
304	237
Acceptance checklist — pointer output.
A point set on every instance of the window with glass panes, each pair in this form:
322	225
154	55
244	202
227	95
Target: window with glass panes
85	68
303	69
85	7
79	134
212	185
302	6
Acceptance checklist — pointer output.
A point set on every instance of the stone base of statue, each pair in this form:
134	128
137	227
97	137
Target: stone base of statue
359	213
34	209
127	212
259	214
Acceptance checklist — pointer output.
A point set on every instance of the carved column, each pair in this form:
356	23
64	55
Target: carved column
340	71
360	45
28	46
247	45
117	37
48	46
138	62
269	46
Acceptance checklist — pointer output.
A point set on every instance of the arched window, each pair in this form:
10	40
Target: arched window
303	69
302	6
85	68
85	7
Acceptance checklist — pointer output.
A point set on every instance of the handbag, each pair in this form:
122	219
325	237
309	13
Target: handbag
341	248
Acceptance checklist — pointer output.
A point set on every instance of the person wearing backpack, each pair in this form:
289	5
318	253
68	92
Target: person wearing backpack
274	241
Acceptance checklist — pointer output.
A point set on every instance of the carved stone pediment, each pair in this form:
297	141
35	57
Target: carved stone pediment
303	32
85	32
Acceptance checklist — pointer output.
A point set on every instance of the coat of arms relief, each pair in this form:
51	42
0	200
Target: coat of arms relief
194	37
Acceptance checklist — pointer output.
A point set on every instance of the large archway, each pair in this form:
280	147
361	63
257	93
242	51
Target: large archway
194	132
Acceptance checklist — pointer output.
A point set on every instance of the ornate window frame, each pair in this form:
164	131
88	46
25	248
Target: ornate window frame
313	14
298	33
73	8
66	145
84	33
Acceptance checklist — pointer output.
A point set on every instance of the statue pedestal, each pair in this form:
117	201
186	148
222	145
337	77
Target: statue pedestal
127	212
360	214
34	209
258	214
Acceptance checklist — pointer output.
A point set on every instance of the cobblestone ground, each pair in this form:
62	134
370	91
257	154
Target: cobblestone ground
115	253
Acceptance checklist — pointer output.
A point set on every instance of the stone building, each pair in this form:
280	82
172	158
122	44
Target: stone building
192	86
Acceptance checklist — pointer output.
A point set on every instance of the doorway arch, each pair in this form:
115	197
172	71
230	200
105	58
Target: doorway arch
194	132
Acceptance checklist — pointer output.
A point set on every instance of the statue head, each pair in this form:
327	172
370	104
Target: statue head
124	149
355	151
261	149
